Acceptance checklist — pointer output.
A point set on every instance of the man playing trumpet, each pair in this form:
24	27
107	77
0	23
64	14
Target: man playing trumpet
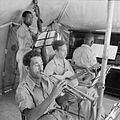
36	93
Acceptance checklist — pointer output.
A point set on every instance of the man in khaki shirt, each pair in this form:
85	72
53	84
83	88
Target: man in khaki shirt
36	94
59	67
24	41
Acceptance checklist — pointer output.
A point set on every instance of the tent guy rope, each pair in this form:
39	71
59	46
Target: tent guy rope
7	24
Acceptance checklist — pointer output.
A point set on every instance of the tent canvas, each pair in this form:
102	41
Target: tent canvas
78	14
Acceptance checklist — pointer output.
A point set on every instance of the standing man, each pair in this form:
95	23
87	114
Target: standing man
26	39
36	93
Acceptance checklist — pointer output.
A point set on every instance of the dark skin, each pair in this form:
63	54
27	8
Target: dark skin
39	23
28	22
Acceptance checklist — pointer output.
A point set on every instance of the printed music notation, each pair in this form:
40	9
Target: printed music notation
111	52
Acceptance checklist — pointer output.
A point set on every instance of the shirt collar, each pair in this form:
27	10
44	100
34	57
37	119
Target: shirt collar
58	62
31	83
85	45
44	81
25	27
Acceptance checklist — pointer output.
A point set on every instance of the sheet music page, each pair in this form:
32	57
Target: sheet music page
39	43
42	37
43	34
111	52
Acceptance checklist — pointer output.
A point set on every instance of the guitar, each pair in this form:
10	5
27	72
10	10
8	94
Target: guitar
65	99
84	71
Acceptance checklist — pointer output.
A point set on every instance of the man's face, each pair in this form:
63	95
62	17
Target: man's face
62	51
28	19
36	66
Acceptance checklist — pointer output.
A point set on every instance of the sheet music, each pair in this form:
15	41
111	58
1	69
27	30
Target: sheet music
111	52
39	43
42	37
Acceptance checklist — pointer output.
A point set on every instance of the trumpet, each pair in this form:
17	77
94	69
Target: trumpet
79	93
74	90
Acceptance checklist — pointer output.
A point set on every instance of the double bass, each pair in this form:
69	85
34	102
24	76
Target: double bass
37	13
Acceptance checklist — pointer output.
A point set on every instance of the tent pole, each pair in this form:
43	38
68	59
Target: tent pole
105	57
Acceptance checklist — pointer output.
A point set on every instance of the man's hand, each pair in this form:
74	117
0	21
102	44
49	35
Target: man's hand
61	85
68	74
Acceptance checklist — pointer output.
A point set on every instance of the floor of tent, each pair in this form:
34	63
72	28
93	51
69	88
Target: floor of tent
9	109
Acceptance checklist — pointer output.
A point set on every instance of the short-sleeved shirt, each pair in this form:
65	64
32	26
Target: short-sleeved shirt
84	56
24	37
30	95
24	40
55	67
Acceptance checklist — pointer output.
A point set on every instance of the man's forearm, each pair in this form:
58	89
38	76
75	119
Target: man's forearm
59	77
37	112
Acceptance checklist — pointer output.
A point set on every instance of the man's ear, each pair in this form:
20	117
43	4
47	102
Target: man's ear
27	68
92	42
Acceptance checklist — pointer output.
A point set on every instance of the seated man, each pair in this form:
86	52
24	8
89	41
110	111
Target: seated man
26	39
85	59
36	94
60	68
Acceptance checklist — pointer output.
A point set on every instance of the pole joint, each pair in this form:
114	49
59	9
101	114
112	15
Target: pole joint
101	85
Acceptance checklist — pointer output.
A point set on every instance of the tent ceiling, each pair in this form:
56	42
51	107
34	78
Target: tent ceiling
78	14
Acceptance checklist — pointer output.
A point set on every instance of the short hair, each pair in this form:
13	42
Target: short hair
27	57
25	13
57	43
88	36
